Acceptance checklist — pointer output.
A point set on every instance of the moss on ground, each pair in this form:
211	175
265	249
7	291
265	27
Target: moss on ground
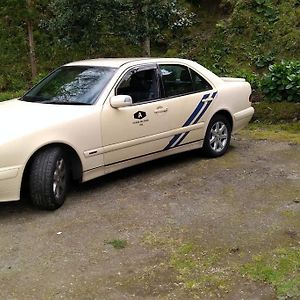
211	273
200	271
273	113
280	132
279	268
117	244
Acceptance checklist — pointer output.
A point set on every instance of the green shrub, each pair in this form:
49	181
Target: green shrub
283	82
250	76
10	95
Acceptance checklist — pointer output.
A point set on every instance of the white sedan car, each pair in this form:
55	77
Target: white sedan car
90	118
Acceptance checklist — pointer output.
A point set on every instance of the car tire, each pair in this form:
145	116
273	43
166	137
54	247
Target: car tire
49	179
217	137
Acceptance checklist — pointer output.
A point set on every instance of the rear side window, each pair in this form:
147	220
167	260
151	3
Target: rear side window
141	85
176	80
200	84
180	80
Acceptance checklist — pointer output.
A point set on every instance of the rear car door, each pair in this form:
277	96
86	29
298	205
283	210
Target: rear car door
191	96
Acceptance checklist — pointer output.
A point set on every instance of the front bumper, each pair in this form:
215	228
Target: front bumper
10	183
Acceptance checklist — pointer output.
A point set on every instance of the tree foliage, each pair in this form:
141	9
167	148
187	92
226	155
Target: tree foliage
231	37
138	21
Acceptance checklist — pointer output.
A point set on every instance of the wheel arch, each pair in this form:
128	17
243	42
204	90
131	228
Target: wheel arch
72	156
226	114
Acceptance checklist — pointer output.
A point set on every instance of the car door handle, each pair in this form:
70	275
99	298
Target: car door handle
161	110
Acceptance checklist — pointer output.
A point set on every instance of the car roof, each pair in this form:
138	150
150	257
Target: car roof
118	62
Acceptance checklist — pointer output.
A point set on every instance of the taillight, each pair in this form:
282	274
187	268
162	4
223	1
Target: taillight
252	98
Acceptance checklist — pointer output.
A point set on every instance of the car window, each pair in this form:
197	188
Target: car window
176	80
200	84
140	85
71	85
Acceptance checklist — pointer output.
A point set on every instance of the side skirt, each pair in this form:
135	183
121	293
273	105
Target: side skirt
103	170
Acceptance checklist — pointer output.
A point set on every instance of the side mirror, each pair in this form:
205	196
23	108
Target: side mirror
120	101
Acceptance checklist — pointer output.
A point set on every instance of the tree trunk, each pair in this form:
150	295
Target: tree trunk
32	56
146	47
146	43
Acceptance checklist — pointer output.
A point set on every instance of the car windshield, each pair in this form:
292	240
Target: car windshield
71	85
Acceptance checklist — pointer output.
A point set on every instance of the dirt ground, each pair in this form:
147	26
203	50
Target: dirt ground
190	224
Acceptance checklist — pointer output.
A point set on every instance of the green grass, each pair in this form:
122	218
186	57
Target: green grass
213	272
289	132
199	270
195	269
280	268
273	113
10	95
117	244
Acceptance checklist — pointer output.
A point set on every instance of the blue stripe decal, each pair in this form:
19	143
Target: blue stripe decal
188	122
181	139
193	119
194	114
214	95
196	121
203	112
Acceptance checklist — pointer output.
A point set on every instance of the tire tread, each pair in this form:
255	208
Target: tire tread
40	179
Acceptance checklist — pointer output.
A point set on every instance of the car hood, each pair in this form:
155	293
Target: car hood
19	118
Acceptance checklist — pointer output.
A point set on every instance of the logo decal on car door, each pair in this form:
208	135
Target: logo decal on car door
193	119
140	115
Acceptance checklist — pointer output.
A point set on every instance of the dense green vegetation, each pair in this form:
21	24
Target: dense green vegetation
231	37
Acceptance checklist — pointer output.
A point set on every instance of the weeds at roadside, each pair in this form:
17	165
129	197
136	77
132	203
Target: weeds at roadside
117	244
280	268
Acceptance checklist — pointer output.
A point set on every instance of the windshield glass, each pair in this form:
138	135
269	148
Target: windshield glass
71	85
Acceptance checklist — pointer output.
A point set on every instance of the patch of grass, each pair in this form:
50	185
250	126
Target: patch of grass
185	264
201	271
195	269
279	132
272	113
10	95
280	268
117	244
165	238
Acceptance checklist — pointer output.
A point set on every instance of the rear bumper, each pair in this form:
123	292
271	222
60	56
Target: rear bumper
10	183
242	118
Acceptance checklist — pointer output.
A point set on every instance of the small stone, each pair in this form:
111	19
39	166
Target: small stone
234	250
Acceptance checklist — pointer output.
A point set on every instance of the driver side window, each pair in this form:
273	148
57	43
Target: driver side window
141	85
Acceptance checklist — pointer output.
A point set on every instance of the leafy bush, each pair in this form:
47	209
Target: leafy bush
250	76
267	9
283	82
10	95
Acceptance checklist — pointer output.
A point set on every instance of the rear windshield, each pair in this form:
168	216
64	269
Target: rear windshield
71	85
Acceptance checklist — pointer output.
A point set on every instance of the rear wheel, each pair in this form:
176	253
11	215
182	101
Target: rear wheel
49	178
218	136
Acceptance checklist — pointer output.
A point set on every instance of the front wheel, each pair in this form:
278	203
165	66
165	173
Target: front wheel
217	137
49	176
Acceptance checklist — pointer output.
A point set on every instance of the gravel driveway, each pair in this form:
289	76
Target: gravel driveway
225	210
